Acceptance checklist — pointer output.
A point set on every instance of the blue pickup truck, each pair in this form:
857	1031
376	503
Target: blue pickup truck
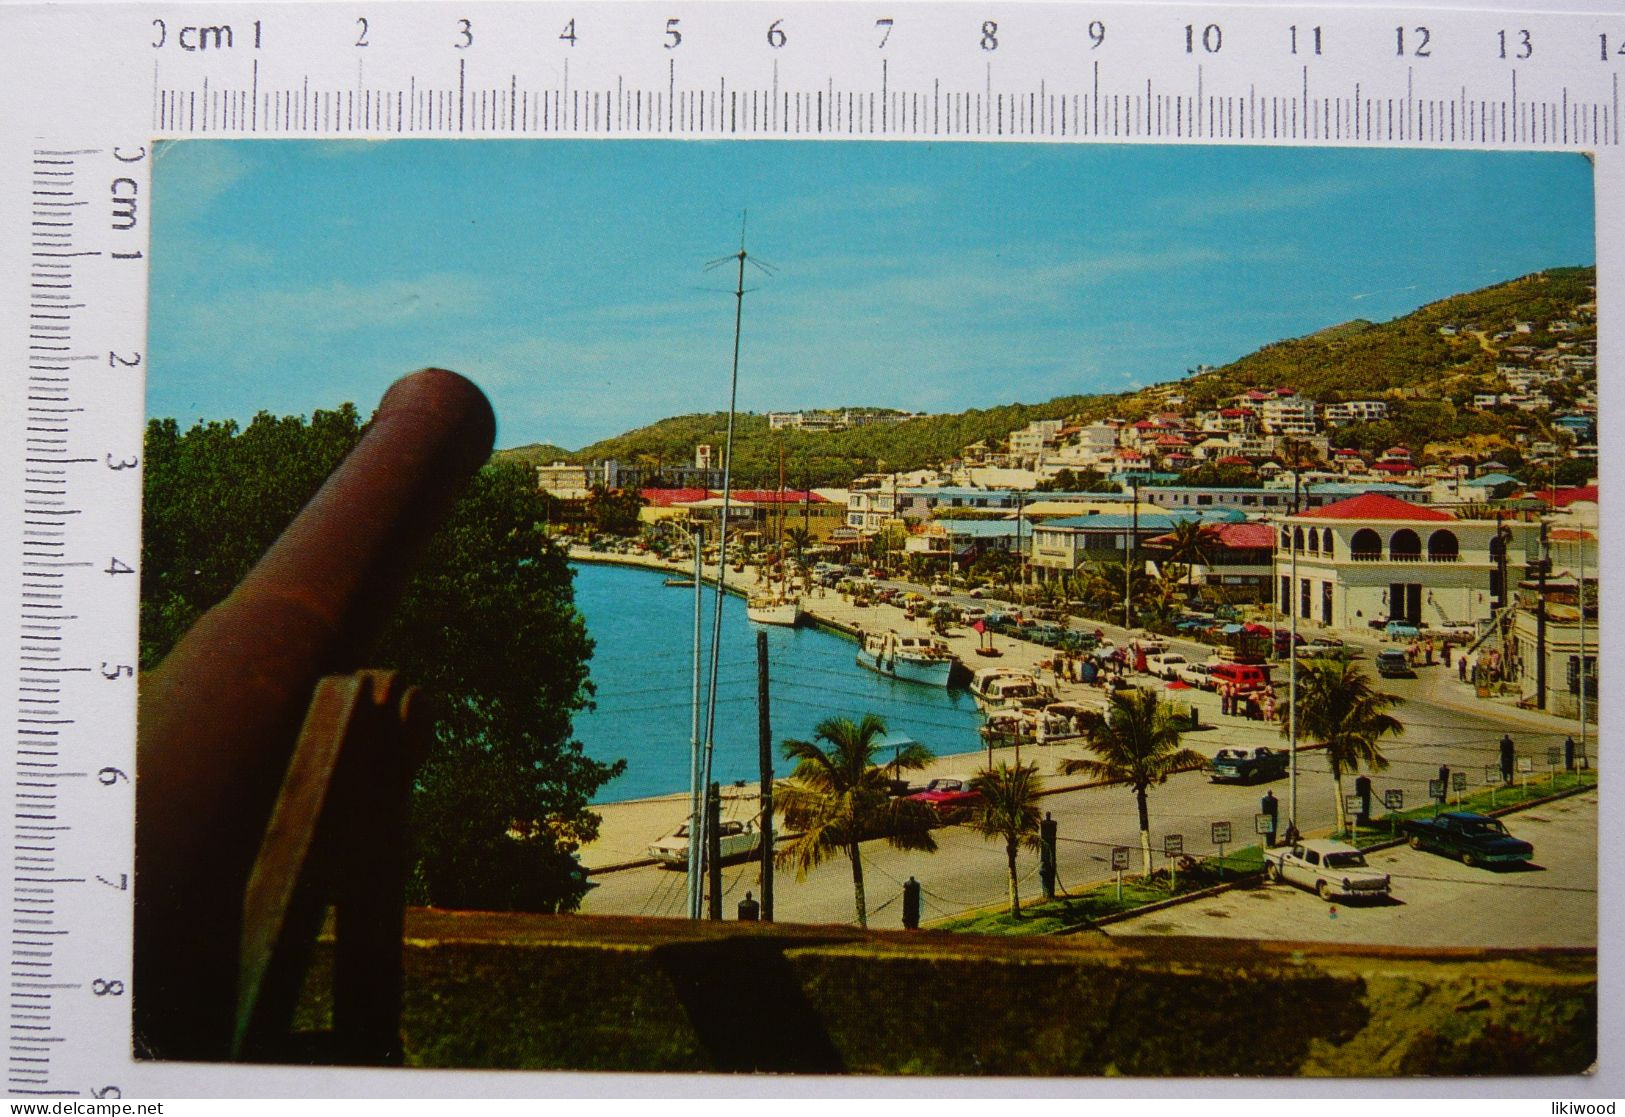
1476	839
1248	765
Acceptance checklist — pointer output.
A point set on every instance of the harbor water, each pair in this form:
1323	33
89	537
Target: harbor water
642	667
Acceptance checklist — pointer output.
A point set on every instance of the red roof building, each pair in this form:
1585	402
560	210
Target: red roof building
1562	498
775	496
665	498
1376	506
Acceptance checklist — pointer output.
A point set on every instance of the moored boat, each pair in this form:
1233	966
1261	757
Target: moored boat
998	687
773	609
916	659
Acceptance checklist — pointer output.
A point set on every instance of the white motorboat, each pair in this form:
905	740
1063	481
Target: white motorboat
997	687
773	609
916	659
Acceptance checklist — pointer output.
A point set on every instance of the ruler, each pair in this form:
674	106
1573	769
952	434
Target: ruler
102	83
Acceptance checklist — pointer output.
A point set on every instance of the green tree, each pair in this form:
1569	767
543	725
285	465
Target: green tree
486	620
837	796
1008	811
1138	744
799	539
614	511
1186	546
1338	707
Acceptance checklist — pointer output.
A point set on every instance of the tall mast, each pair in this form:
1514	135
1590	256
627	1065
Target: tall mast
722	538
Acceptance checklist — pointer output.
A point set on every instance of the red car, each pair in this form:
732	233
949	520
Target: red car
948	793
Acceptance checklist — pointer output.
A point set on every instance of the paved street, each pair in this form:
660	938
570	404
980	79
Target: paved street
1445	726
1437	901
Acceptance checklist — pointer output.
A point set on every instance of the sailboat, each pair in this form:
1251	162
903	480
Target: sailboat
779	605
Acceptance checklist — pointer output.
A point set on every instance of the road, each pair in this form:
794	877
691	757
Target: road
967	872
1437	901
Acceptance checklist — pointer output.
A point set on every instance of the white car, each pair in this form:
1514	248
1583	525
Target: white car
738	839
1331	870
1168	665
940	589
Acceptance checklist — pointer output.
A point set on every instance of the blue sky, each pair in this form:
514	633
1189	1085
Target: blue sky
567	278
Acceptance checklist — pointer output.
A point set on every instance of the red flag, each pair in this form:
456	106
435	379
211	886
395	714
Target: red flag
979	627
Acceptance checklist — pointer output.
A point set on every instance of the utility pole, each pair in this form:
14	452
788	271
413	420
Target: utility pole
696	804
1584	682
1129	548
764	738
1540	620
1292	661
713	851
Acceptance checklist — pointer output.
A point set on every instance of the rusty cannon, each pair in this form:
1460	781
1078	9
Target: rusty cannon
269	771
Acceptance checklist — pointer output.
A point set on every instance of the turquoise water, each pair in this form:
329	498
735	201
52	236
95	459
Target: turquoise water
642	667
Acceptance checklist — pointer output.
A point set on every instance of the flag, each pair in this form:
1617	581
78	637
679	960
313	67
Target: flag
979	627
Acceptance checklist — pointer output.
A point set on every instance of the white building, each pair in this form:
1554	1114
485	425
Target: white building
1356	411
1377	558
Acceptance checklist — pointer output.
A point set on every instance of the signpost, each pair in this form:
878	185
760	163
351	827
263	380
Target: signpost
1554	757
1436	793
1119	863
1173	847
1221	838
1458	784
1526	764
1492	776
1394	800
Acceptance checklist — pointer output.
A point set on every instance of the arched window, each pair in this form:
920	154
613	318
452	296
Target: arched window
1326	541
1366	546
1297	539
1443	547
1286	538
1405	546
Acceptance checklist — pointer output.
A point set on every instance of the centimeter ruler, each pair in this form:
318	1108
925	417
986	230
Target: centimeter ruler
102	83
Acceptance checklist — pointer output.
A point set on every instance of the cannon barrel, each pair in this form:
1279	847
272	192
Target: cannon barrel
219	716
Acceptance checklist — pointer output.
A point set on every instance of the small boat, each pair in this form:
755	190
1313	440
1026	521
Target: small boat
997	687
679	582
914	659
773	609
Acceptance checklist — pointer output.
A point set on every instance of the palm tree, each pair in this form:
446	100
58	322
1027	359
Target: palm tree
1338	707
837	796
1008	810
1137	744
1186	548
799	539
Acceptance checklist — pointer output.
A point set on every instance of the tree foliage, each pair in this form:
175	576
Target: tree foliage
1338	707
1008	812
487	622
1138	744
838	795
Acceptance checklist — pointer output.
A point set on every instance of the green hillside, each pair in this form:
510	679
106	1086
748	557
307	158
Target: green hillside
1426	377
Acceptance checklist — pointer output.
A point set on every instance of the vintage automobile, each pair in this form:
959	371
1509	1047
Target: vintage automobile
1401	630
1167	665
1198	675
948	793
1476	839
737	839
1248	765
1331	870
1394	664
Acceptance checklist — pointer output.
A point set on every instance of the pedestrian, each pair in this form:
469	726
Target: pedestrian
1507	750
1461	668
1444	782
1270	808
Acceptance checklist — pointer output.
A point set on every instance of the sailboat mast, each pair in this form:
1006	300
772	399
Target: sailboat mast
722	538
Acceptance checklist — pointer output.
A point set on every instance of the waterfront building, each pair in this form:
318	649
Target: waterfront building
1237	561
1060	547
1376	558
1570	645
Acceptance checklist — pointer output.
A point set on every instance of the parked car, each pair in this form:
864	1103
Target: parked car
1476	839
1394	664
1243	766
1324	647
1400	630
1198	675
940	589
1328	869
1167	665
738	839
948	793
